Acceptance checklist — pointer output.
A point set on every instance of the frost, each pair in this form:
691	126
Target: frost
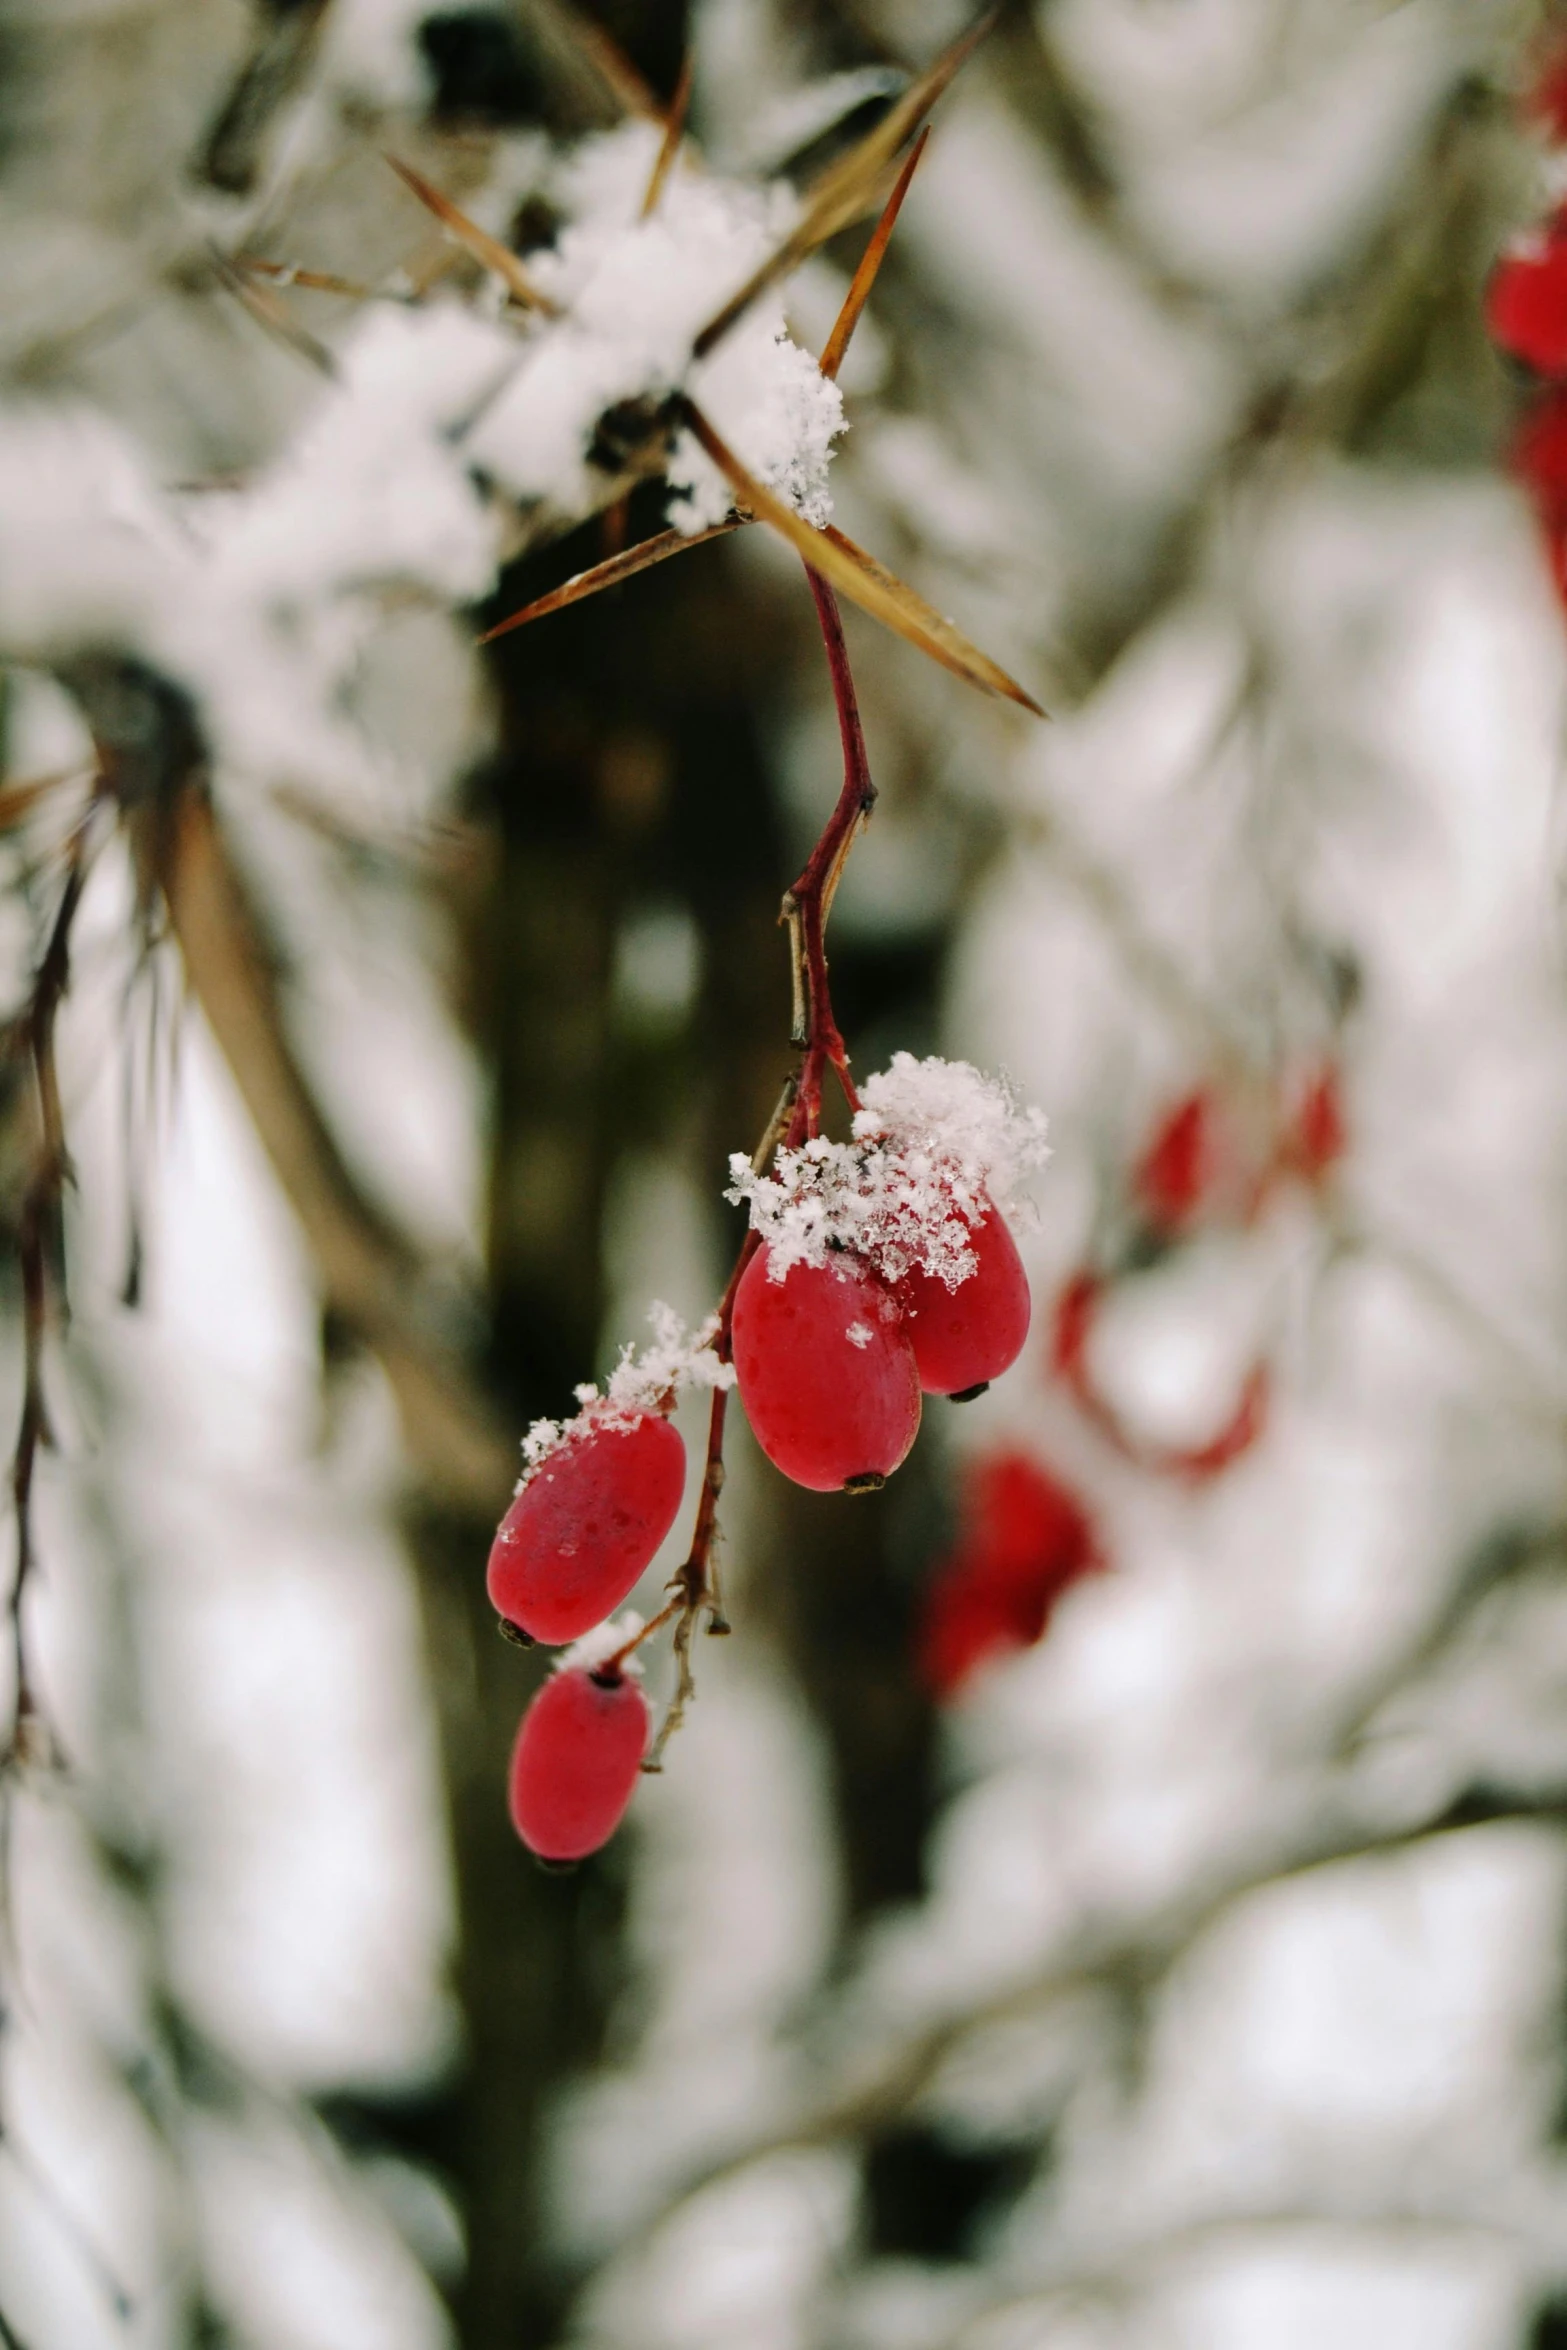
859	1334
644	1380
602	1642
635	293
936	1145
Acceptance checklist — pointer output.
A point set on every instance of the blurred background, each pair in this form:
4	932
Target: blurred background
1110	1891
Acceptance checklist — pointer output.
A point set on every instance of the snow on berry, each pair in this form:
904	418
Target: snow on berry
646	1379
936	1146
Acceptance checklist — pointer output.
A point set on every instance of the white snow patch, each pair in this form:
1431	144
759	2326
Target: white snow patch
937	1146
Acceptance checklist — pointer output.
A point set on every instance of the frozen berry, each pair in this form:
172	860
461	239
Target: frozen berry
827	1377
585	1525
967	1336
574	1766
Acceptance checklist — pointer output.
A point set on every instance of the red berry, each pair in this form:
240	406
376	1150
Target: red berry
574	1766
1547	100
1025	1539
1526	302
585	1525
1178	1169
965	1337
825	1372
1315	1138
1539	450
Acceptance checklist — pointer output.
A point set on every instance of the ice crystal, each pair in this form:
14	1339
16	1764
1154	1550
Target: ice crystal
935	1146
645	1379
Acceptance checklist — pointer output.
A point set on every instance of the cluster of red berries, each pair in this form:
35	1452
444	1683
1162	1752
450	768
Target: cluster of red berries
1526	316
831	1361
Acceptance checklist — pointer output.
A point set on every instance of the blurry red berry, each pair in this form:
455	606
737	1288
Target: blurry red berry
575	1763
1025	1539
1539	460
965	1337
827	1377
1178	1169
1315	1138
1076	1308
1539	451
1239	1433
1546	102
584	1527
1526	301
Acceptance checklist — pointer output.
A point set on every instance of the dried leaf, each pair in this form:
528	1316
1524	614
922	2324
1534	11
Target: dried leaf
610	573
484	248
854	301
859	576
842	193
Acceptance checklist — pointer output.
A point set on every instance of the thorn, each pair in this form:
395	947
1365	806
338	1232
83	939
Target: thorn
674	127
484	248
837	343
858	575
611	572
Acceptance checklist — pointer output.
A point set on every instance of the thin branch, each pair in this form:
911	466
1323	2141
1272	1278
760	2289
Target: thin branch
37	1239
674	131
365	1272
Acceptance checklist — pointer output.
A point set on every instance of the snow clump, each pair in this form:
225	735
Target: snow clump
936	1145
634	294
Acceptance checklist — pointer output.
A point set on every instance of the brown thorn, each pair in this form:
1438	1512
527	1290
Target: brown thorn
837	343
478	241
859	576
270	314
610	573
316	281
842	193
674	128
609	61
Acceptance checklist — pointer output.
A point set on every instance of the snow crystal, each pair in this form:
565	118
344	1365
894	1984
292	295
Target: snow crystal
644	1380
859	1334
602	1642
635	293
936	1146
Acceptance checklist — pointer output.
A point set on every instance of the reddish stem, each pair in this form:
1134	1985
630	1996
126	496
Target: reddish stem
807	904
797	1117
